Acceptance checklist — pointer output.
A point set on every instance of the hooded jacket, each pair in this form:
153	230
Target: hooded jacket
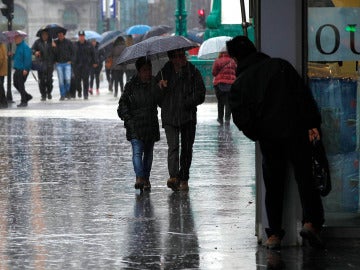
224	70
270	101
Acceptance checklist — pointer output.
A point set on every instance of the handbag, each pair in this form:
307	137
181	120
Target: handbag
320	168
37	64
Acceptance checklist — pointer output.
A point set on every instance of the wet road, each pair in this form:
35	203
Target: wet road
67	199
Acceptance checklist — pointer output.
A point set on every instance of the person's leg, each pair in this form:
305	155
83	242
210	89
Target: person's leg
172	138
300	152
49	82
115	81
227	107
121	81
187	132
97	76
92	76
61	78
42	84
137	159
220	105
19	83
274	166
3	101
85	79
148	158
67	74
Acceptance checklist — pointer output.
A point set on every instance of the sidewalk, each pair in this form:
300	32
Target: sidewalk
68	202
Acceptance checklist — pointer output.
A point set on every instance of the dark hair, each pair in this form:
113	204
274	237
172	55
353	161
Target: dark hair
240	47
172	53
141	62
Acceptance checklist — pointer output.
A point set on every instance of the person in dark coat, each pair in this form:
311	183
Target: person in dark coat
271	105
43	52
84	61
63	54
224	72
95	70
117	71
138	109
183	90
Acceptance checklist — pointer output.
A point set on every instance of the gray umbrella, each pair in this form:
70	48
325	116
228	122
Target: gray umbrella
154	47
157	30
3	38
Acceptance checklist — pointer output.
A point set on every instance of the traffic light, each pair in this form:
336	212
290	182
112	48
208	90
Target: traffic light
7	9
201	13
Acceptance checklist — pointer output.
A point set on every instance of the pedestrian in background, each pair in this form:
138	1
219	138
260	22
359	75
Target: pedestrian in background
117	71
22	65
84	61
42	50
224	72
183	90
95	70
271	105
138	109
63	55
3	73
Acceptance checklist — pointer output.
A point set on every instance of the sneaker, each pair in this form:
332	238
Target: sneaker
147	185
312	235
220	121
79	95
139	183
273	242
184	186
173	183
90	91
62	98
43	98
49	96
22	104
97	92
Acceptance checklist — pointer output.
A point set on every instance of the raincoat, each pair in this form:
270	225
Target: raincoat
138	109
185	91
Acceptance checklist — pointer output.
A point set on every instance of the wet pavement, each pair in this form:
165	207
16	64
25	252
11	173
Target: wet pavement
67	199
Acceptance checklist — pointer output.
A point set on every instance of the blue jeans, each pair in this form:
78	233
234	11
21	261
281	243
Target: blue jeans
142	157
64	76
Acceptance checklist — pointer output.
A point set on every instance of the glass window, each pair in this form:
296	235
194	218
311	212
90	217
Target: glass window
333	70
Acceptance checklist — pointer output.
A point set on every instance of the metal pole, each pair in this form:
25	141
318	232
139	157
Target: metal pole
243	15
180	18
8	92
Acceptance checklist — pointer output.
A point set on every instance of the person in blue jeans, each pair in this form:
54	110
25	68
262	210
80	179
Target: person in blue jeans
63	52
138	109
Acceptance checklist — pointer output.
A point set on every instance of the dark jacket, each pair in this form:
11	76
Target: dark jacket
84	56
184	92
270	101
138	109
64	51
46	53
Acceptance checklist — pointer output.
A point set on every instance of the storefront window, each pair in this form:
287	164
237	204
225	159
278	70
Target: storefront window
333	70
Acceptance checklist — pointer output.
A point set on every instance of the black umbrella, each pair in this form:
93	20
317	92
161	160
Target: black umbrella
154	47
157	30
53	29
109	38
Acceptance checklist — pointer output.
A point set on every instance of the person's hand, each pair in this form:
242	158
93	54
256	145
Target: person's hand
37	53
25	72
53	44
163	84
314	134
95	65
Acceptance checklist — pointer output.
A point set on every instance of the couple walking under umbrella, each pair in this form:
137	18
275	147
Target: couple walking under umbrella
177	89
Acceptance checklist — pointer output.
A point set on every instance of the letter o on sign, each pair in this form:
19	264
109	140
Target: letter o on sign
336	40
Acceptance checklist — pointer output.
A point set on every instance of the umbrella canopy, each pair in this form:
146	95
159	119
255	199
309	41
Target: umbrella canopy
157	30
89	34
196	35
211	47
138	29
53	29
12	34
3	38
154	47
109	38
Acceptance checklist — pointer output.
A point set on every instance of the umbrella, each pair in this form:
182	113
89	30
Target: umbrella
3	38
157	30
138	29
109	38
89	34
154	47
211	47
53	29
196	35
12	34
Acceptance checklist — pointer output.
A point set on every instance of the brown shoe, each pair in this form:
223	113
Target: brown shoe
273	242
184	186
139	183
173	183
310	233
147	185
